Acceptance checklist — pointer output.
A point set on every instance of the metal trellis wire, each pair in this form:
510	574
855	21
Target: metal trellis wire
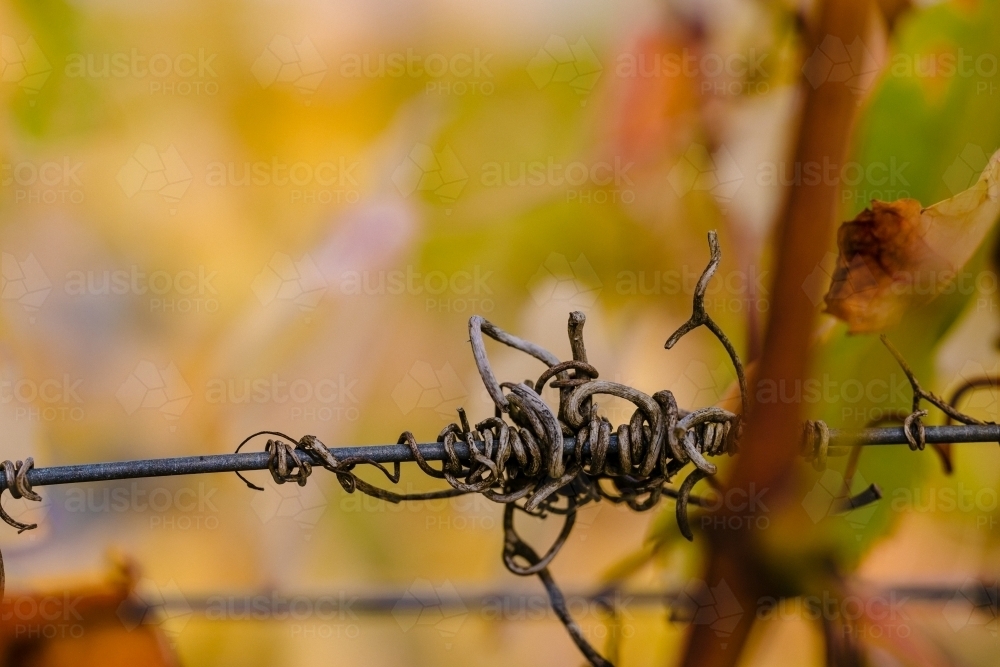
544	461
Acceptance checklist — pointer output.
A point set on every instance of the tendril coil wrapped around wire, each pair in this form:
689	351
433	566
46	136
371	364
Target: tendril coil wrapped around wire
16	481
523	463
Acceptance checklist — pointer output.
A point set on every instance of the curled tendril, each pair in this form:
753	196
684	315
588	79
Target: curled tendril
683	496
15	476
913	426
519	457
700	317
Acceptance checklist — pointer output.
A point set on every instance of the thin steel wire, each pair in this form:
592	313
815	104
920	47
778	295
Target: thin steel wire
541	461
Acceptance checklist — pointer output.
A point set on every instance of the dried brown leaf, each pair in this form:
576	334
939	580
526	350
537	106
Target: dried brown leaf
895	255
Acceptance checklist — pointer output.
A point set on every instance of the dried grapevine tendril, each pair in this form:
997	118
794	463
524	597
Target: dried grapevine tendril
518	456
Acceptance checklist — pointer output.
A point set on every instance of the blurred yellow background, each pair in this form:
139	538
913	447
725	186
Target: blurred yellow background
219	218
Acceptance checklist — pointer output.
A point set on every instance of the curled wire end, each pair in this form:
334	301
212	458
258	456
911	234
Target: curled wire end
870	495
683	496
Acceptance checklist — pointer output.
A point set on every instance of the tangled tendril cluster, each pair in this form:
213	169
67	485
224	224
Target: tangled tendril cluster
543	461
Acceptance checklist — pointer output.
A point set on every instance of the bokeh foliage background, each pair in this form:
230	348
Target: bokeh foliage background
217	218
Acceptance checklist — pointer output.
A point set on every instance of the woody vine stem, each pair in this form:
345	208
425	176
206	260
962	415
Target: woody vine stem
547	461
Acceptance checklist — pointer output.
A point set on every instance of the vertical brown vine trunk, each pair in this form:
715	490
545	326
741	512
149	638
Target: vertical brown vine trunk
773	436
